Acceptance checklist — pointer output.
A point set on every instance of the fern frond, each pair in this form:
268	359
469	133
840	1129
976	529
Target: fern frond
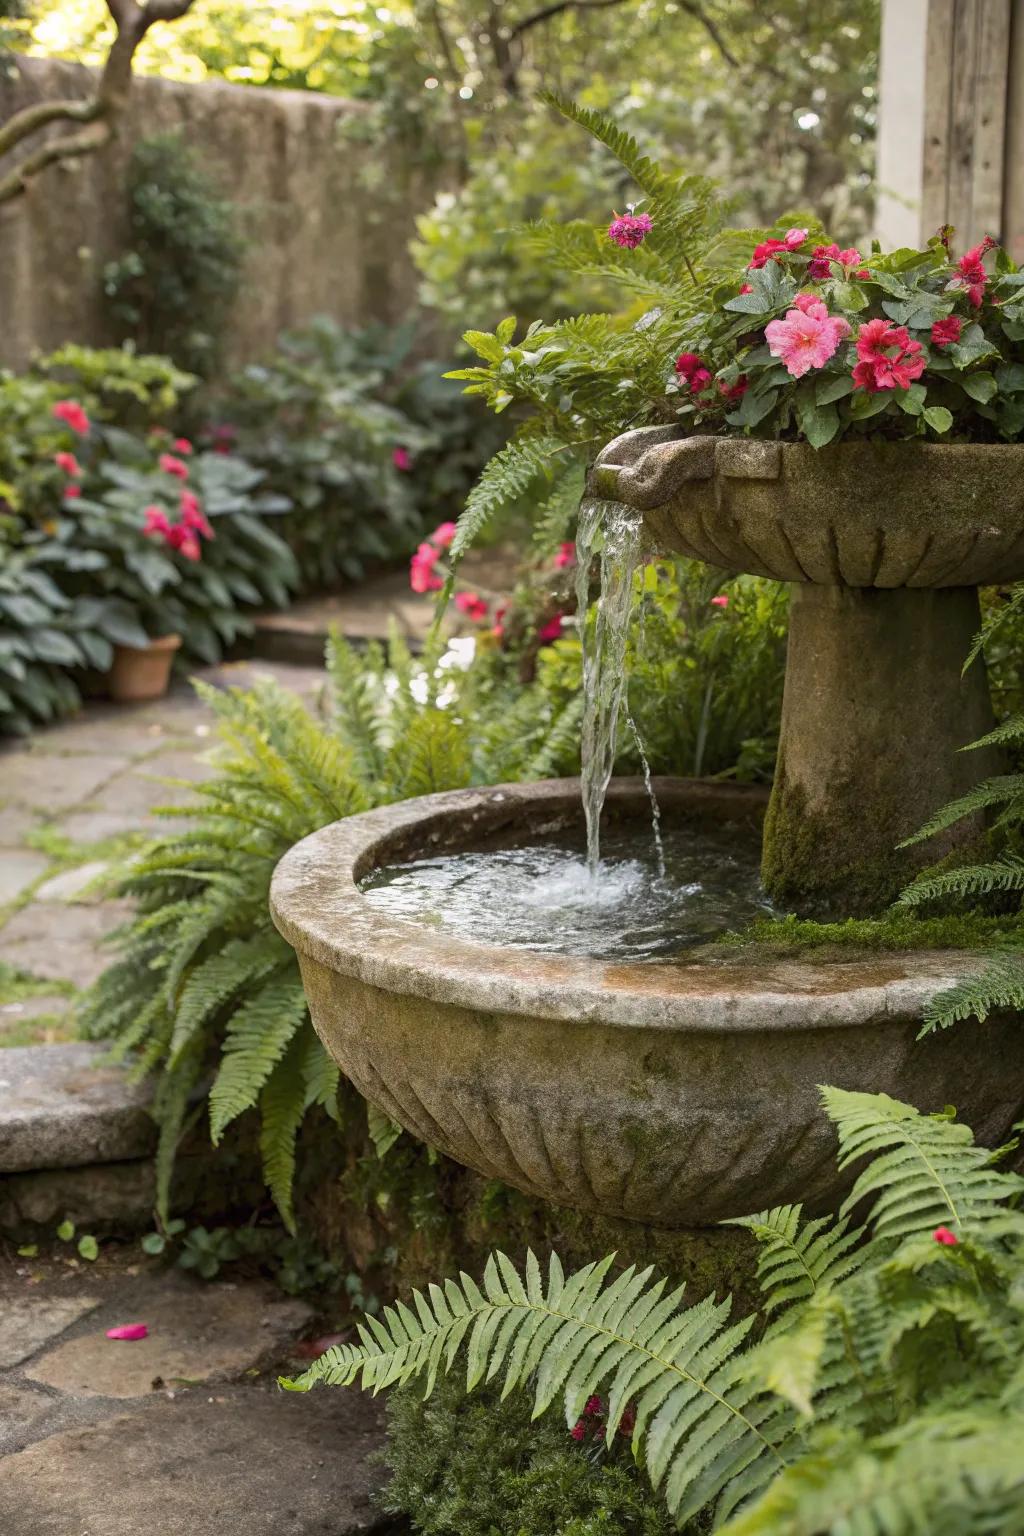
355	710
530	457
384	1131
981	798
797	1258
432	754
698	1422
241	963
925	1170
999	987
282	1107
258	1035
1003	874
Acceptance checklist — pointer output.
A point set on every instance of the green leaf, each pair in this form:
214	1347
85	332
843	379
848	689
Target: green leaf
66	1231
153	1243
485	345
819	424
828	389
506	330
980	386
88	1247
912	399
937	417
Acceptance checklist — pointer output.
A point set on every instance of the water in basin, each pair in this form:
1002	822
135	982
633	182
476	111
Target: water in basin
540	895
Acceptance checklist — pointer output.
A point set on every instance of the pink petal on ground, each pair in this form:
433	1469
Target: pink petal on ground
129	1331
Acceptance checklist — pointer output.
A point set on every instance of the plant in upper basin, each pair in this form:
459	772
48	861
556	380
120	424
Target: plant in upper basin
882	1392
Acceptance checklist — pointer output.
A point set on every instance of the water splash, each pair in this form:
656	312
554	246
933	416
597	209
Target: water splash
615	530
645	767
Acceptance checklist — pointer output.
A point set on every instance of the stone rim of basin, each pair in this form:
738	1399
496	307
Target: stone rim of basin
318	907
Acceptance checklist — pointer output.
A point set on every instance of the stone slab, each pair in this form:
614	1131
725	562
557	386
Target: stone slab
72	885
52	939
15	822
197	1333
19	868
244	1461
100	1198
126	732
28	1323
23	1410
143	786
59	1108
97	826
48	784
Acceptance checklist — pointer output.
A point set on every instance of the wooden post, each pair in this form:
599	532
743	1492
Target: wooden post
951	121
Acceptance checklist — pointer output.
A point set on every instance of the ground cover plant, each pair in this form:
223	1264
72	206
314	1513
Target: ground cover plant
879	1391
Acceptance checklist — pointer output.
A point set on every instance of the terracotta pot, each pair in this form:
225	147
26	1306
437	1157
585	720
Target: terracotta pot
139	673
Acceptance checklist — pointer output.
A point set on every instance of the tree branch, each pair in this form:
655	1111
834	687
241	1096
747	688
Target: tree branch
555	9
696	10
99	111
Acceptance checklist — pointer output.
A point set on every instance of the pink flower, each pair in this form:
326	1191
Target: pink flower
630	230
69	464
156	522
182	445
946	1237
129	1332
169	465
811	304
72	414
794	239
499	621
945	332
401	460
551	630
471	605
746	287
442	535
862	272
421	570
578	1431
190	548
566	556
888	359
764	253
72	492
806	338
192	515
692	372
970	271
721	601
733	392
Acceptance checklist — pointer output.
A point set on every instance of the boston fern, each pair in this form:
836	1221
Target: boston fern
881	1393
204	995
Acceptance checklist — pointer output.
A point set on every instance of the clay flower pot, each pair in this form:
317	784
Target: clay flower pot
885	545
138	673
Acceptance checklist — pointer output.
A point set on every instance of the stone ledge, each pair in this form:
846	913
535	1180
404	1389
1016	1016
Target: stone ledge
60	1108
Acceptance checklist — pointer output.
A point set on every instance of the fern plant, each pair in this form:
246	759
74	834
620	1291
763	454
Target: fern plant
884	1394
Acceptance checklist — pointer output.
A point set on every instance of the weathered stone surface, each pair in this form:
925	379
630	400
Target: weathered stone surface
53	939
196	1334
60	1108
244	1461
48	784
18	869
27	1323
144	786
32	1008
15	821
96	826
102	1197
677	1094
72	885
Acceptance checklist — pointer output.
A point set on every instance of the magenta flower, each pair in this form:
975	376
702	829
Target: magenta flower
550	631
182	445
401	459
72	415
970	271
746	288
945	332
155	522
169	465
192	515
72	492
888	359
421	570
764	253
69	464
129	1332
566	556
793	239
693	372
807	337
721	601
442	535
472	605
578	1431
946	1237
630	229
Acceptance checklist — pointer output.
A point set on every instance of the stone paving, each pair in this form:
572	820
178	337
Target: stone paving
71	799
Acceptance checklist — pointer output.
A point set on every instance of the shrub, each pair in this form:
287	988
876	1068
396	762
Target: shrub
174	289
884	1394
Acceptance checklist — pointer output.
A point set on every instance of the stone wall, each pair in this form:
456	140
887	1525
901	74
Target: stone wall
327	219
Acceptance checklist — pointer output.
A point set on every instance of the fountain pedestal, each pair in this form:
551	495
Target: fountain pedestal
885	545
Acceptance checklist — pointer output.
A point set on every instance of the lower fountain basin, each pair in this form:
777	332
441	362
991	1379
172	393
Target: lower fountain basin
673	1092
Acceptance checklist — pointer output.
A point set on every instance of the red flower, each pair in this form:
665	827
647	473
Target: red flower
169	465
746	287
69	464
593	1405
733	392
692	372
946	1237
944	332
970	271
862	272
550	631
192	515
578	1431
721	601
190	548
764	253
72	492
421	570
627	1423
182	445
401	460
72	414
566	556
442	535
888	357
471	605
822	257
499	621
156	522
630	230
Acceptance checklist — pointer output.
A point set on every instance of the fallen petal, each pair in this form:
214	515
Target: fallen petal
129	1331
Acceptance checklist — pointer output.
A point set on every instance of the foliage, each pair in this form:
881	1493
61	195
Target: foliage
367	445
172	291
480	1467
885	1389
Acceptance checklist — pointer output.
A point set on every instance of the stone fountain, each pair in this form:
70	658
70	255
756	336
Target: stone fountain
682	1093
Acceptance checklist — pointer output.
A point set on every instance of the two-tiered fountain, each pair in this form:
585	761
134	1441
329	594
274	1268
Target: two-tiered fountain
679	1091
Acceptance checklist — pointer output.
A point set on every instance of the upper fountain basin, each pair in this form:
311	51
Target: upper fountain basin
859	514
677	1093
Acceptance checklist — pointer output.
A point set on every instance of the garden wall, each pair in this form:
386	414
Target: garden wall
327	219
